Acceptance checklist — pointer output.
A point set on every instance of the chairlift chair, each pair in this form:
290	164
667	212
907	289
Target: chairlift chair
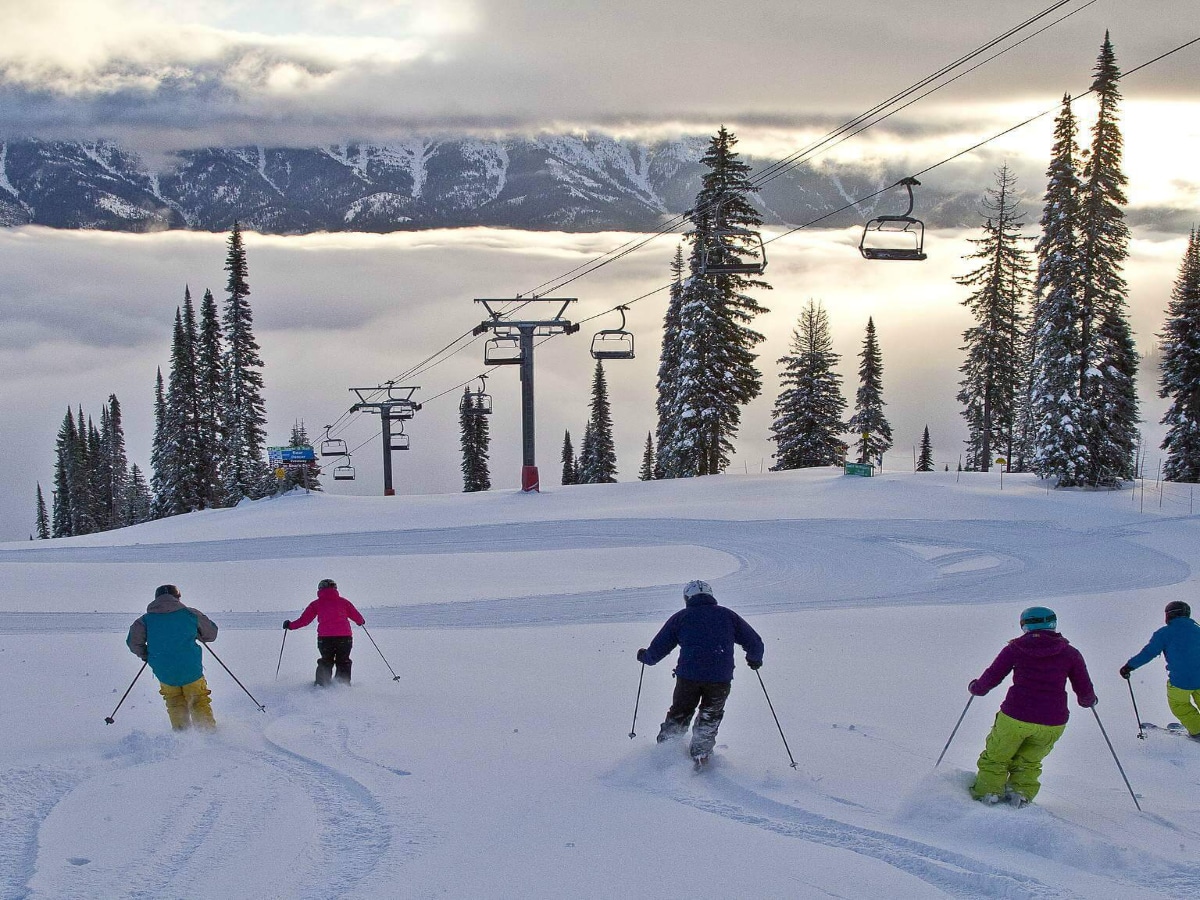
400	439
333	446
718	258
613	343
344	472
895	238
476	403
502	350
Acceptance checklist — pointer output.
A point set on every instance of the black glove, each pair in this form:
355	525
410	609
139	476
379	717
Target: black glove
287	624
1126	671
754	664
641	656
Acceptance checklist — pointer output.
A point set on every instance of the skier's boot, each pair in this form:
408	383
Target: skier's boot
990	799
700	763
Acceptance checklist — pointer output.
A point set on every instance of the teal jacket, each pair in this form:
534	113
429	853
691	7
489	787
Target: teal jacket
1179	642
166	638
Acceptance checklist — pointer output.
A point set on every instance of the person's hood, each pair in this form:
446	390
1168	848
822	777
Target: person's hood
328	593
165	603
701	600
1041	643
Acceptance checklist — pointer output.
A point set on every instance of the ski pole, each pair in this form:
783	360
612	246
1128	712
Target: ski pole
111	719
777	725
1141	734
281	646
955	731
395	677
261	708
632	732
1120	768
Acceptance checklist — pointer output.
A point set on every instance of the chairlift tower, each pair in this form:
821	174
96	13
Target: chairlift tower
507	332
396	406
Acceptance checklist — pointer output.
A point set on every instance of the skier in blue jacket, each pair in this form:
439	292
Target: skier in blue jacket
1179	642
705	634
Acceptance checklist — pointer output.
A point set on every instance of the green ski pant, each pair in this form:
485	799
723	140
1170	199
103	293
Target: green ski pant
1183	704
1013	757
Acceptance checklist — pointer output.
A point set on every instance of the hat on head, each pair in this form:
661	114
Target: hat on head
326	583
167	589
1177	609
1038	618
697	587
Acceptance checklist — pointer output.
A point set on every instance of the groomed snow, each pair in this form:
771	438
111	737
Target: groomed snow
500	764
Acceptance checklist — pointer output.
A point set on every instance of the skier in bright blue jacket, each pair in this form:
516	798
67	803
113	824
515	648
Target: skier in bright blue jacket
1179	642
705	634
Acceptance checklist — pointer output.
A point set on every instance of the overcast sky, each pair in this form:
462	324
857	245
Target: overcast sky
83	315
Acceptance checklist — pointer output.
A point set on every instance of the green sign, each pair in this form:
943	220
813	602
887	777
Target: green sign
865	469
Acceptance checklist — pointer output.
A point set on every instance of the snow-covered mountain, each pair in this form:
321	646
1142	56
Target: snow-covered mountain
567	183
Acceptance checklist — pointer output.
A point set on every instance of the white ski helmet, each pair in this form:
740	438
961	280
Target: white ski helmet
697	587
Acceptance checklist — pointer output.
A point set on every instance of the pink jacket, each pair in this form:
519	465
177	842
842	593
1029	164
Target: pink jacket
333	613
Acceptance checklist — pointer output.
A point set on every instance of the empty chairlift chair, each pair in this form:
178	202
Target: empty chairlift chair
613	343
895	238
344	472
719	256
400	439
333	446
502	350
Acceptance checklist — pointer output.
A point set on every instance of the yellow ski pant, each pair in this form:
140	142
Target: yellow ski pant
1183	704
1012	757
188	705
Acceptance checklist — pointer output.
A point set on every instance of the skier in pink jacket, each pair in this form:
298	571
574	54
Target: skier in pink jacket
333	613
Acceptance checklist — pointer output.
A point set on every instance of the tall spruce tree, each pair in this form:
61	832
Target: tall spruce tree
667	403
646	472
307	475
717	373
243	411
602	466
1180	370
41	519
868	422
116	463
1110	359
160	461
808	415
925	454
475	438
1056	407
209	394
138	503
180	491
570	474
584	461
993	371
63	523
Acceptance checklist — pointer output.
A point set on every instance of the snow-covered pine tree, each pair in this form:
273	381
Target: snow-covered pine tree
925	454
993	371
209	393
475	438
604	451
160	475
41	519
570	474
138	502
97	475
1180	370
83	494
646	472
307	475
179	422
717	373
808	415
64	454
868	422
1059	419
585	462
666	405
243	412
116	463
1110	359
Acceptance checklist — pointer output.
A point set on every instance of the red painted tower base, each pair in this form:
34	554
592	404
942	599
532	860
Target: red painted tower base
529	479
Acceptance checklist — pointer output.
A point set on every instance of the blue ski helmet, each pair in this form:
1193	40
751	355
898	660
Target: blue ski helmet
1038	618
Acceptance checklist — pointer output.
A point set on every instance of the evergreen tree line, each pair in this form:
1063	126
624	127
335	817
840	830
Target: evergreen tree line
209	427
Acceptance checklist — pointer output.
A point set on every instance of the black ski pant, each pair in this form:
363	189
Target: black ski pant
710	696
334	651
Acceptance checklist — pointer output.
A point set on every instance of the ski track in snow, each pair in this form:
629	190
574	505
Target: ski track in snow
887	563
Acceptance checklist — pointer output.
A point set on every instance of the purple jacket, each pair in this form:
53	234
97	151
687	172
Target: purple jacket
1041	663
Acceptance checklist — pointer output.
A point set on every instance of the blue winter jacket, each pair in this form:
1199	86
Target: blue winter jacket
166	638
705	634
1179	641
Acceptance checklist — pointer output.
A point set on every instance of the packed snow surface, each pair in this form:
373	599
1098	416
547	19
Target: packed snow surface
500	763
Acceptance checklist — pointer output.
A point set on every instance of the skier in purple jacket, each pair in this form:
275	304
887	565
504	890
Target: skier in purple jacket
1034	714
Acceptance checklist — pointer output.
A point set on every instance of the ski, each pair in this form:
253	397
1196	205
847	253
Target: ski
1173	728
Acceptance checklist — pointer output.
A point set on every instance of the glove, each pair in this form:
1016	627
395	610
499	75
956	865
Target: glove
641	656
971	688
1126	671
287	624
1095	702
754	664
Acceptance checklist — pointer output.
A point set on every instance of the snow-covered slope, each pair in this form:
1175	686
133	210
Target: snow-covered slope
500	764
